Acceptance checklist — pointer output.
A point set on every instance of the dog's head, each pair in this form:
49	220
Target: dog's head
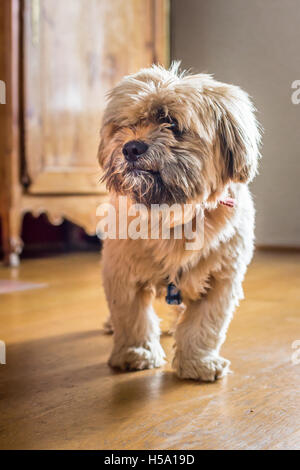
169	137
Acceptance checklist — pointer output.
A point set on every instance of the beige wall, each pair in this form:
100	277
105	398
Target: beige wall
254	44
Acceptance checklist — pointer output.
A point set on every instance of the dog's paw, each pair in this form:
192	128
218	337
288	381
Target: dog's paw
206	368
148	356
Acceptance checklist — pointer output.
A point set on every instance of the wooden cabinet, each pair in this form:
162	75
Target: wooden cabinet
59	59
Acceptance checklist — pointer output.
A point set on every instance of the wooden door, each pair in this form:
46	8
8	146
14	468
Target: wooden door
74	52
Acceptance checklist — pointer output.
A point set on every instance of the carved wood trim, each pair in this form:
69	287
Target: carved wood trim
81	210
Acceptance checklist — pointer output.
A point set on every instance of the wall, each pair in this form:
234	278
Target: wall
254	44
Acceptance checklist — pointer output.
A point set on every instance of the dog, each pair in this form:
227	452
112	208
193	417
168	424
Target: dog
169	137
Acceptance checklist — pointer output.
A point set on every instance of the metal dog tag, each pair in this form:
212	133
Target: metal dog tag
173	295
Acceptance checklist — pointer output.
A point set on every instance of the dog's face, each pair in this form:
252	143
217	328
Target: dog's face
173	138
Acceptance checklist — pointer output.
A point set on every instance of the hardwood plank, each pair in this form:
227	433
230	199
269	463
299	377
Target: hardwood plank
56	390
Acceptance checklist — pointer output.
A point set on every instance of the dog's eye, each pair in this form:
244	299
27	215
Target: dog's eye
175	129
173	125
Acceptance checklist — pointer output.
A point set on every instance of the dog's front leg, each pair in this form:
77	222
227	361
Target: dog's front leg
202	330
136	328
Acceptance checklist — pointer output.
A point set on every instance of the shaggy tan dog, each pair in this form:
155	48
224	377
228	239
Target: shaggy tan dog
169	137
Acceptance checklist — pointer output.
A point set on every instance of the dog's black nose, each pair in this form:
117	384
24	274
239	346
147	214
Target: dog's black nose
134	149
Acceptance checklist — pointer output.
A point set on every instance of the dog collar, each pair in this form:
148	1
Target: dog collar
229	202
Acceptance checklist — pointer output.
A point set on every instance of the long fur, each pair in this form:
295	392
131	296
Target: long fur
213	154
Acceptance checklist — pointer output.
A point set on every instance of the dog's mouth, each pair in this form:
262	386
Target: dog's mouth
142	171
144	181
145	184
137	169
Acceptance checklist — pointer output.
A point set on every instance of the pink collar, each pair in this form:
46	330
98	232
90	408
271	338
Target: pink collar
229	202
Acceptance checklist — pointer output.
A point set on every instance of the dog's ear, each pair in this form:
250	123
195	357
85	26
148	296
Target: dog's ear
100	154
106	133
237	132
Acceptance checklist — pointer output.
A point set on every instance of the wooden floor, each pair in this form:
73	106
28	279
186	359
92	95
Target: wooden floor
57	392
